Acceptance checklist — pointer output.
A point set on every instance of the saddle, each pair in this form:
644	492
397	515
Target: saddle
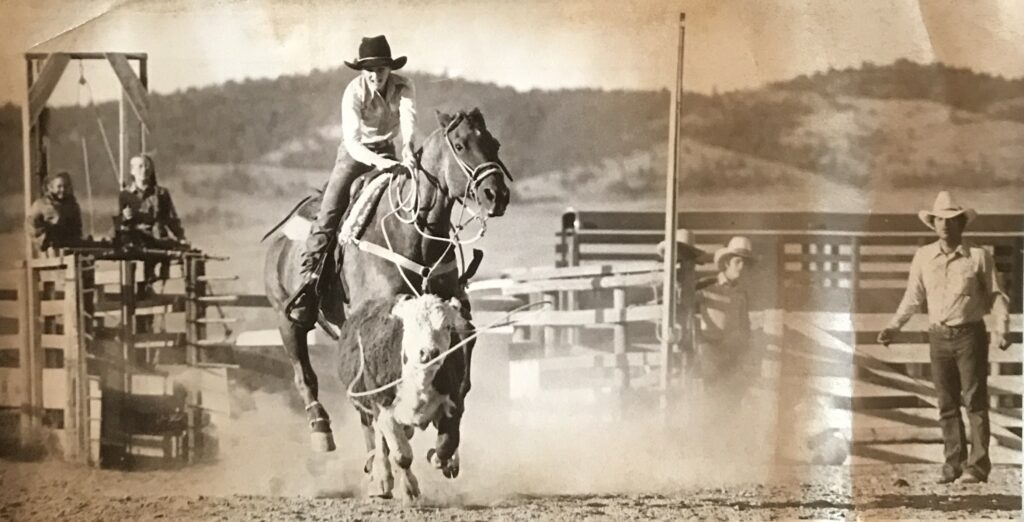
366	193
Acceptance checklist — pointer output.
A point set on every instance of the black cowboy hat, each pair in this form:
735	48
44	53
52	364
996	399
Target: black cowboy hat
374	51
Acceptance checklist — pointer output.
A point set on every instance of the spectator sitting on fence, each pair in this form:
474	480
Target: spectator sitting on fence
147	217
727	363
55	220
957	284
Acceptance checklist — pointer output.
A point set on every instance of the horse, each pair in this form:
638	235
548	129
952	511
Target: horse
391	358
458	163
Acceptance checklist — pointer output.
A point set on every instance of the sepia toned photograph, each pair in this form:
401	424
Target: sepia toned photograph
484	260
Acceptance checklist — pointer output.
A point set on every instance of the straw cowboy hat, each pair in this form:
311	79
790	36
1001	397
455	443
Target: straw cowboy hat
685	240
738	246
945	207
375	51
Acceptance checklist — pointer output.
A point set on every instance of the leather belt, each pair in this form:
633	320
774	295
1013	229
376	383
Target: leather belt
948	332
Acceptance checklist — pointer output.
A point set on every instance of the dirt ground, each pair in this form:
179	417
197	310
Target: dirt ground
58	491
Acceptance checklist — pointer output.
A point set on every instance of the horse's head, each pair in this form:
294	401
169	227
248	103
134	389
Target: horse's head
427	325
476	169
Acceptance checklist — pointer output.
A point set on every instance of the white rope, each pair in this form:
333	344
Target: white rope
494	324
88	188
83	83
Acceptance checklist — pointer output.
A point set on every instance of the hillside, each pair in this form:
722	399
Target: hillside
902	125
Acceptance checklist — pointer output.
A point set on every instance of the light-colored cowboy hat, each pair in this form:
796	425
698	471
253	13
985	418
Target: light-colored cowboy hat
375	51
739	246
945	207
685	241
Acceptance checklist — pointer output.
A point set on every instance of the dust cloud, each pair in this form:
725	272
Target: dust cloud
514	449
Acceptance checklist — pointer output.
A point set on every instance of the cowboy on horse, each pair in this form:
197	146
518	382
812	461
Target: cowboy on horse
400	237
377	105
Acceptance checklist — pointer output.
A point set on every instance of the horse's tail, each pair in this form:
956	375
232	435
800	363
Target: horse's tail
288	216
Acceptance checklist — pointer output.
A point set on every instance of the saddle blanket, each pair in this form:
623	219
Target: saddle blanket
300	224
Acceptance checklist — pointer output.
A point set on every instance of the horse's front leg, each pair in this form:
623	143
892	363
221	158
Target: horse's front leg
445	455
401	452
294	339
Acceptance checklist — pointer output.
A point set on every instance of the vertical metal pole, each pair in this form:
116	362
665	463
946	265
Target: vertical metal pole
668	318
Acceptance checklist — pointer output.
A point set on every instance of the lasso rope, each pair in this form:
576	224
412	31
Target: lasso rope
362	355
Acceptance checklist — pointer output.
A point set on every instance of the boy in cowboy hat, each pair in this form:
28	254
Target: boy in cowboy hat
723	348
376	107
958	285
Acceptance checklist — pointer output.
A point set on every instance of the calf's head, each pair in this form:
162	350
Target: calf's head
427	325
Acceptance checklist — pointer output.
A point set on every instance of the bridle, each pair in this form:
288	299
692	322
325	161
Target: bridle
475	175
406	209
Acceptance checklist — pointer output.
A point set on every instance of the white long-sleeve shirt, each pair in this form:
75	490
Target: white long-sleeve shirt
369	117
956	288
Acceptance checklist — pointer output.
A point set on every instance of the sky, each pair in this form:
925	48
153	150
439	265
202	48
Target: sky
526	44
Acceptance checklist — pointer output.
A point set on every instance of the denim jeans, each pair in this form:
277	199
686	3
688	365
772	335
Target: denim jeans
959	364
336	200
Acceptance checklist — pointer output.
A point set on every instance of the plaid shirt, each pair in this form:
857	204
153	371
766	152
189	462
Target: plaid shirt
723	309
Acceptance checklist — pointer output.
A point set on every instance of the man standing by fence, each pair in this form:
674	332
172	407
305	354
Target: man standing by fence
957	284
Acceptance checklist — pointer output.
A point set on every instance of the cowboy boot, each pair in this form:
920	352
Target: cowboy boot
303	307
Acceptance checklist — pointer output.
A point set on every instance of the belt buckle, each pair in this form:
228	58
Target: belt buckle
943	330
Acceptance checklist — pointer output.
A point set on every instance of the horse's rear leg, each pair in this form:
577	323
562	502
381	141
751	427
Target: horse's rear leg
294	339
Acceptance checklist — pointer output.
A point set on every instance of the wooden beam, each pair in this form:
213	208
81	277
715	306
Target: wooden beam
134	90
40	90
86	56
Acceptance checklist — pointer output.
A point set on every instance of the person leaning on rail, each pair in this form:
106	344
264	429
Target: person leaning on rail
55	220
957	284
376	106
147	217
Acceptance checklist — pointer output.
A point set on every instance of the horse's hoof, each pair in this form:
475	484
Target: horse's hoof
322	442
379	488
449	469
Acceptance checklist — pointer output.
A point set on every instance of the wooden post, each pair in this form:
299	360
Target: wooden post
191	313
122	142
29	413
854	274
1017	277
144	79
127	319
668	318
75	402
620	344
550	333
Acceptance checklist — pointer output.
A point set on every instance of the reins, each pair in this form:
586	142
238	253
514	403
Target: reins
406	208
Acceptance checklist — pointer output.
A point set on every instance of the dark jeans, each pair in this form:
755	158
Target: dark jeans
336	200
959	363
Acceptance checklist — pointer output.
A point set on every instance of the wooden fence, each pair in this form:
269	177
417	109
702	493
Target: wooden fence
824	287
107	374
